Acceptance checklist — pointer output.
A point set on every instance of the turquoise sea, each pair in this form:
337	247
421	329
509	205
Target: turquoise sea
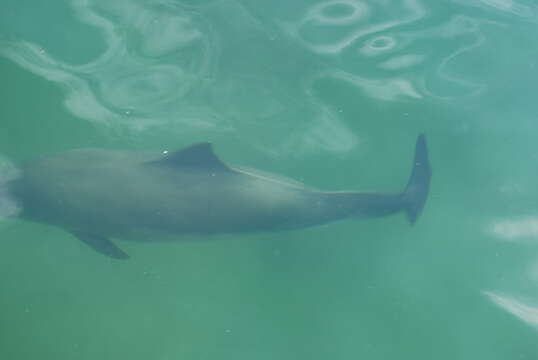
330	93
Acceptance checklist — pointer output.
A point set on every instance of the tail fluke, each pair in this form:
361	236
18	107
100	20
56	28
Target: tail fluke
416	191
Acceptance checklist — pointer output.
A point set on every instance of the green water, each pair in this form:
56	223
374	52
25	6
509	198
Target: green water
331	93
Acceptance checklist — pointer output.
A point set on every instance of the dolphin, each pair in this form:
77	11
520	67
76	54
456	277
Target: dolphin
98	195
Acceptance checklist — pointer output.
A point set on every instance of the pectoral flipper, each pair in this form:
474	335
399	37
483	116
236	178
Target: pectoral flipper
102	245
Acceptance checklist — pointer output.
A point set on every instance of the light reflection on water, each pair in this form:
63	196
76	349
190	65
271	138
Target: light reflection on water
179	68
9	207
524	311
143	76
523	9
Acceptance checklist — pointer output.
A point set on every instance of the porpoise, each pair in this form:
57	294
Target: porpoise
98	195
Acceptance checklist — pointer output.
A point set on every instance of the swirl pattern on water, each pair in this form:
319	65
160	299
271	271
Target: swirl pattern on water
142	78
362	18
369	37
204	67
164	67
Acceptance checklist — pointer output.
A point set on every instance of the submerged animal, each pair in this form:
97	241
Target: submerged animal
97	195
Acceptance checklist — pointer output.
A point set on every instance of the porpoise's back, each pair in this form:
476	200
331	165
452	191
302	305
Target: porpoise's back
113	191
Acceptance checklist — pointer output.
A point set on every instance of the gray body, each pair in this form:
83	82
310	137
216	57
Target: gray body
97	195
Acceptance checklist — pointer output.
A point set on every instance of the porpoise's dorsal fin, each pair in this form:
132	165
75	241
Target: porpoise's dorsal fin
198	155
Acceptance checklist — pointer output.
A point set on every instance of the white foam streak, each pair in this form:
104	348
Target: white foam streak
523	9
9	207
526	312
522	229
402	62
390	89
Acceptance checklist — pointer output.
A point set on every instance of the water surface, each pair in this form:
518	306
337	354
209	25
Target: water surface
331	93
